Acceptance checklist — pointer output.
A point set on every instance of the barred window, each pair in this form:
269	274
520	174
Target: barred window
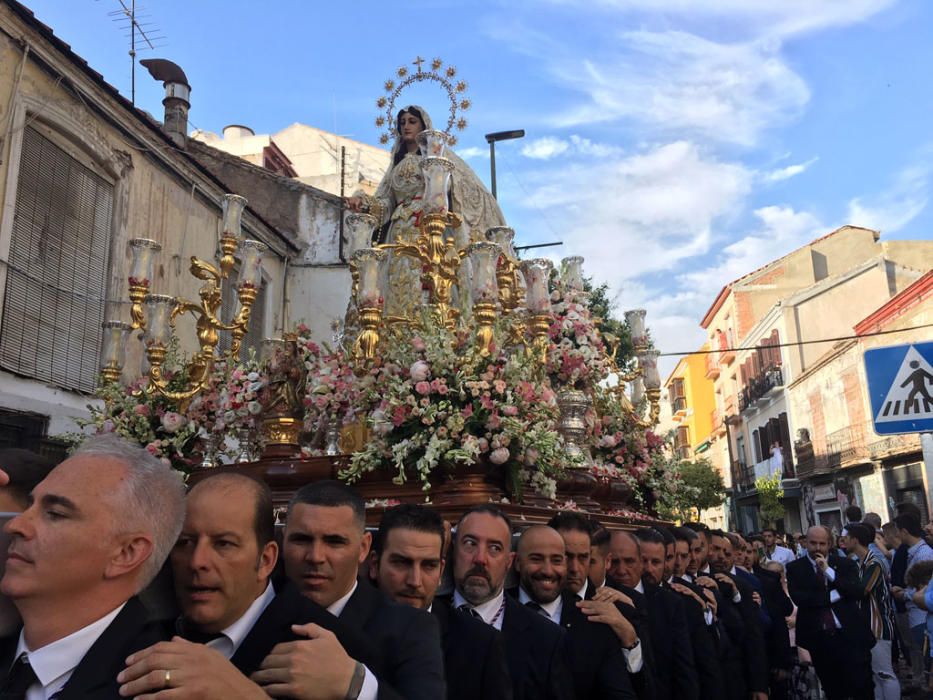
56	280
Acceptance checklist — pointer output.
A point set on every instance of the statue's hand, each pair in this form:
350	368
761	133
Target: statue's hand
354	203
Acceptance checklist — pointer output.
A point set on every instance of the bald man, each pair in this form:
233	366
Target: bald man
825	587
593	651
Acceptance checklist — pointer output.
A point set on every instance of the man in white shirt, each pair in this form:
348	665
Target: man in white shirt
232	616
96	531
775	551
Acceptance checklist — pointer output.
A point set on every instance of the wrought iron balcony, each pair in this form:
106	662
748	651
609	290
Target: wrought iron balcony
760	387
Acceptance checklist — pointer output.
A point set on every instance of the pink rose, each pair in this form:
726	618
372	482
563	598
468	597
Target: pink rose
510	410
420	371
173	422
499	456
423	388
141	410
418	344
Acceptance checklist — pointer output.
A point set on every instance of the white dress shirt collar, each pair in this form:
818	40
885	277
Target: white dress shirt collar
233	636
640	587
581	594
488	610
338	605
552	609
54	663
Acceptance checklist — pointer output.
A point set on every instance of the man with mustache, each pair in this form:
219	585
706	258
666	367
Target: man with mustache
325	543
96	531
232	616
407	563
595	656
534	650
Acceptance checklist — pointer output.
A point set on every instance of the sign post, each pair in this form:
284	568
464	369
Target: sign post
900	385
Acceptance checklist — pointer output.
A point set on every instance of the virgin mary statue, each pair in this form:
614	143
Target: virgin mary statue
397	207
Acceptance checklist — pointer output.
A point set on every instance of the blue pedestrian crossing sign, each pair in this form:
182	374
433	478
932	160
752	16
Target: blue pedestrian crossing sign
900	384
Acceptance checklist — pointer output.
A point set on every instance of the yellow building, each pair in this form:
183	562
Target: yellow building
690	393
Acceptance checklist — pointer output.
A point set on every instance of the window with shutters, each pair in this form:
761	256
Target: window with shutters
230	304
56	278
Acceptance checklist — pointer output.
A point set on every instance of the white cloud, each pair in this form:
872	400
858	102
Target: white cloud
549	147
676	82
782	229
643	213
472	152
789	171
783	19
897	206
545	148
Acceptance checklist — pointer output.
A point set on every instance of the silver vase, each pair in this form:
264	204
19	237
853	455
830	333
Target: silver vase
332	438
573	405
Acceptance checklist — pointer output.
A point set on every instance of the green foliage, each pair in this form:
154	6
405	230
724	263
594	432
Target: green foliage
770	494
706	481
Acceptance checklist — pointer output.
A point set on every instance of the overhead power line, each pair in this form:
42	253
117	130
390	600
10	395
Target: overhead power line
797	342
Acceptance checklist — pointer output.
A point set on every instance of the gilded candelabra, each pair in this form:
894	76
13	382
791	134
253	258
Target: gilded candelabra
156	314
438	253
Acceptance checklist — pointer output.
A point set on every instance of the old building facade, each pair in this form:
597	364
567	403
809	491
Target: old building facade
82	172
763	326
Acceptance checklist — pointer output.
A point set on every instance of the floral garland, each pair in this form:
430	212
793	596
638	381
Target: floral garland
622	449
333	393
437	403
577	357
149	419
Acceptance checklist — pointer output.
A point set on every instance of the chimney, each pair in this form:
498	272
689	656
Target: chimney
177	95
234	132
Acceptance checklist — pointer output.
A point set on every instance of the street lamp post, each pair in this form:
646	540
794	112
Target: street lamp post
491	140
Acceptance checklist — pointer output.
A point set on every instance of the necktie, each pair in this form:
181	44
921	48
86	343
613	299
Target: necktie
18	681
470	611
184	629
532	605
827	621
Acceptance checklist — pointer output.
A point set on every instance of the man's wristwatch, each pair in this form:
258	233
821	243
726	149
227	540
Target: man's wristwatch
356	682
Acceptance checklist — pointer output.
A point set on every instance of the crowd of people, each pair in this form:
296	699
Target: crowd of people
127	585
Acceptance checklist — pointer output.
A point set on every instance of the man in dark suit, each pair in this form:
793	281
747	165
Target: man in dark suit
533	646
98	528
700	609
746	661
221	564
407	564
675	675
830	625
325	544
779	607
595	656
606	606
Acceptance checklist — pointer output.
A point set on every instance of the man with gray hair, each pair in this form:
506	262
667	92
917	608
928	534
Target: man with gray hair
96	531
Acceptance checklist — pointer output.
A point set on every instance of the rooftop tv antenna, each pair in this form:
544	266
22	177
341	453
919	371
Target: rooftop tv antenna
133	20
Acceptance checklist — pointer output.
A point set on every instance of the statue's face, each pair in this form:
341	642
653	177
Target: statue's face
409	126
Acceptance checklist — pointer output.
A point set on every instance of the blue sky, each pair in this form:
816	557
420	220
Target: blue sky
676	144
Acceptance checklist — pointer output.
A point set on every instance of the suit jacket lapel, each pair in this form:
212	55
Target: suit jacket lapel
514	633
105	659
442	612
361	605
255	646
